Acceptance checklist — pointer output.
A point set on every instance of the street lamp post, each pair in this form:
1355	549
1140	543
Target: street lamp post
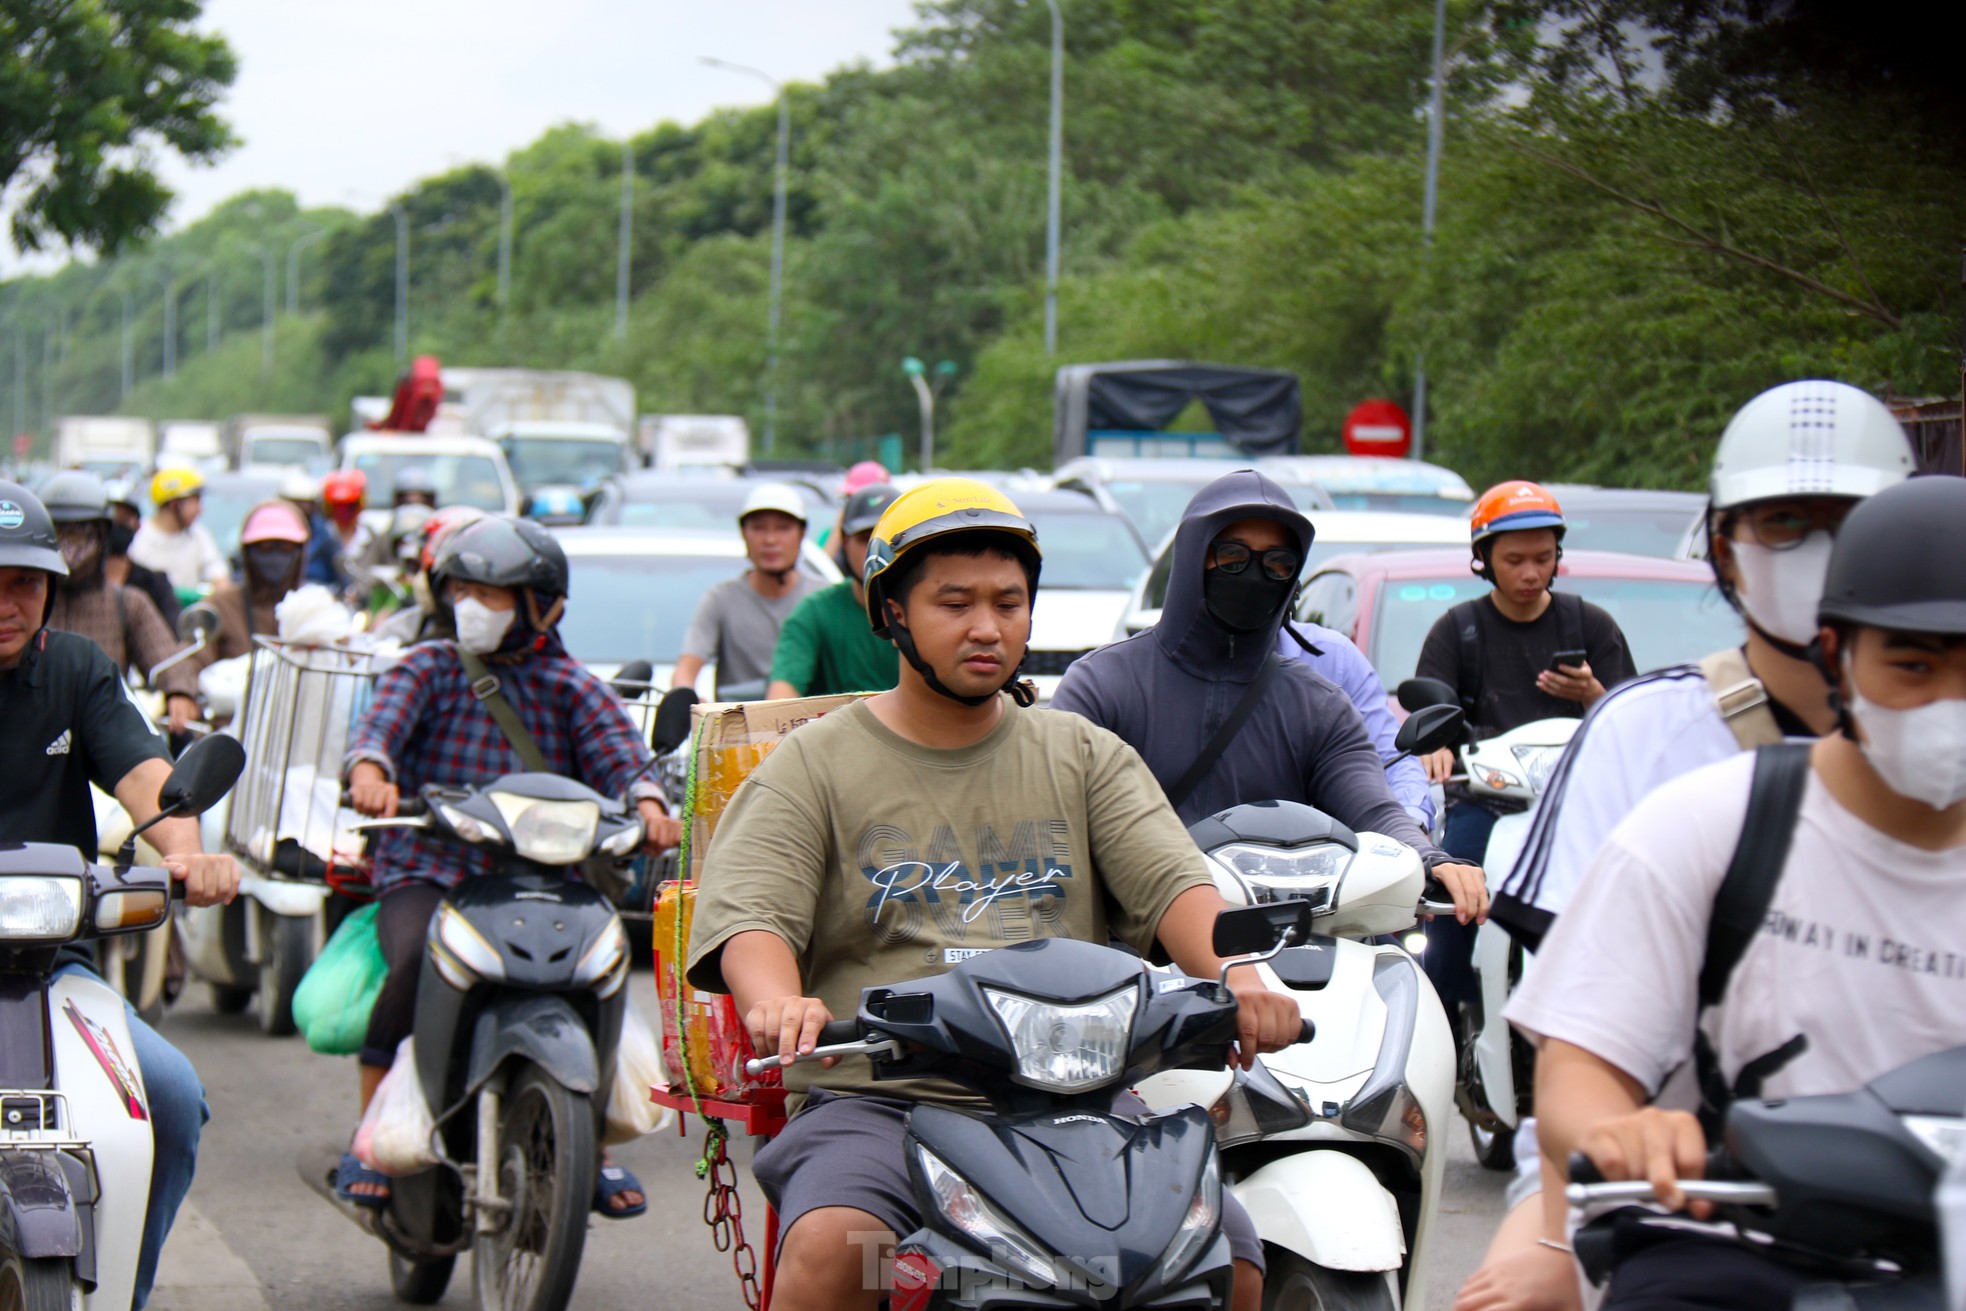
624	239
780	174
269	301
168	281
402	282
1051	213
298	244
1434	110
926	390
211	309
129	353
504	243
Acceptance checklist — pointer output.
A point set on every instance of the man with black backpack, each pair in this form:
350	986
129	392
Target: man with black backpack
1781	923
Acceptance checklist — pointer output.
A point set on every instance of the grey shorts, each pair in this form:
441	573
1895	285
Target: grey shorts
846	1151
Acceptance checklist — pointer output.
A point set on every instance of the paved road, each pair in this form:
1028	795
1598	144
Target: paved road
254	1238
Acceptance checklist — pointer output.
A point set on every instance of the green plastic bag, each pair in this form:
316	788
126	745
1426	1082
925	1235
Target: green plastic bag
332	1004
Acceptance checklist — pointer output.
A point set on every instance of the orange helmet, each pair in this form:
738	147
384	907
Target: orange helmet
1512	507
345	487
441	525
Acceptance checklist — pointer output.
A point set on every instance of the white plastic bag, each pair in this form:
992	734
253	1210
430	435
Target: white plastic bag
310	616
394	1136
637	1067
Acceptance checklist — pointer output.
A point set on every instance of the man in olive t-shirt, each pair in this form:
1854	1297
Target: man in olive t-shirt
893	838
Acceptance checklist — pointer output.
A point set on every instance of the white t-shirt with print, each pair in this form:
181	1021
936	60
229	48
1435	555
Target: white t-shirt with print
1863	949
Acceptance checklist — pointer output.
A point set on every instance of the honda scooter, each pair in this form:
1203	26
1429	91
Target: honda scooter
75	1135
1054	1197
1841	1185
1344	1202
518	1014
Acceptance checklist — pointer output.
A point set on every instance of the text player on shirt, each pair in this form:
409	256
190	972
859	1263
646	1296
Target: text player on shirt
1168	691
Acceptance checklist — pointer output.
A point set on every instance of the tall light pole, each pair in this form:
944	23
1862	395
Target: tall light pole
168	281
781	173
624	240
1434	113
269	302
211	309
504	243
1051	211
402	282
129	353
926	390
300	243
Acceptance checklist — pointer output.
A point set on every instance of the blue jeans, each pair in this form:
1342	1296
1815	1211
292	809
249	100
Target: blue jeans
177	1116
1449	957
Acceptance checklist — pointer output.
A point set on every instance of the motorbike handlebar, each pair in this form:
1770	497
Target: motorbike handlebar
1588	1186
1306	1031
409	807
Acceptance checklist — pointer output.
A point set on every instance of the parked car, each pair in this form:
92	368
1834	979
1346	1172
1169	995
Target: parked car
634	591
1377	482
672	499
1338	532
1639	521
1091	563
466	470
1152	493
1670	610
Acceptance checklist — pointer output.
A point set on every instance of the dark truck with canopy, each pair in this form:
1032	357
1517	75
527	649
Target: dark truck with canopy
1123	410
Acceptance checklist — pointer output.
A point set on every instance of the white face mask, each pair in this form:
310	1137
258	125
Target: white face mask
1919	753
479	627
1781	589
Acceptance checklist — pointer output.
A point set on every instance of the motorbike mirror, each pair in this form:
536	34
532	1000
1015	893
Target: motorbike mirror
1419	693
196	622
1429	729
1253	930
203	775
631	680
671	728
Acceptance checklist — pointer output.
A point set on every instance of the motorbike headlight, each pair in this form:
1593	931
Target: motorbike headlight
40	909
1198	1226
1538	763
964	1206
1068	1048
468	827
1276	874
609	954
461	954
550	832
1944	1134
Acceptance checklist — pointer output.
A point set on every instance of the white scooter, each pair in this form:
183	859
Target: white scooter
75	1134
1345	1205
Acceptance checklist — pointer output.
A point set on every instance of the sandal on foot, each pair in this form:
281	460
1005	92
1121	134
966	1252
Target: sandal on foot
350	1173
611	1182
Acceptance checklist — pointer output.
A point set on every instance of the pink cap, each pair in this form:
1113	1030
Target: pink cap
864	474
276	521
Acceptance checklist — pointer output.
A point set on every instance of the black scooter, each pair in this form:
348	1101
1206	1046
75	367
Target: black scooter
1054	1198
518	1014
1842	1186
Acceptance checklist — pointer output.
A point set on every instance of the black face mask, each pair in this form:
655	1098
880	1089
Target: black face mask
272	565
1247	602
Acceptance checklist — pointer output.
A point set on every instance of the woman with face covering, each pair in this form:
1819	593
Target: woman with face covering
273	551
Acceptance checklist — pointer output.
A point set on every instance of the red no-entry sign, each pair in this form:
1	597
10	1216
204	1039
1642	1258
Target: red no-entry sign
1378	428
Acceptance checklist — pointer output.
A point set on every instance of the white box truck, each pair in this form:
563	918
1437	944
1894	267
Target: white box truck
556	428
695	441
111	446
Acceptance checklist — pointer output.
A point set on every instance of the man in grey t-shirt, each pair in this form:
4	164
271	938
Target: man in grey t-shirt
737	621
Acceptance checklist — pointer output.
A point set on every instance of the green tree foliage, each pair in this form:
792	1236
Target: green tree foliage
88	90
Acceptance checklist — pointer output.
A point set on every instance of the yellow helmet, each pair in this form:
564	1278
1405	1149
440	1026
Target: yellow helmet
174	485
936	509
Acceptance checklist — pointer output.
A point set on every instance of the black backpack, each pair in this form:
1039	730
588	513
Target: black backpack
1467	630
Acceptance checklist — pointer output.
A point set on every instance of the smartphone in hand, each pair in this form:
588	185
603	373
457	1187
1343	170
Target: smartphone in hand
1567	662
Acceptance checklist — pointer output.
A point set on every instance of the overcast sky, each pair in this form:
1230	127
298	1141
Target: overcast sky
344	102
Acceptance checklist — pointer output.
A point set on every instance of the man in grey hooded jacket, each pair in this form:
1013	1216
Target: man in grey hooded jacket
1167	690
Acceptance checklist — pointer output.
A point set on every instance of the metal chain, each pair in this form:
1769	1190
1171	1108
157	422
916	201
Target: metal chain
723	1211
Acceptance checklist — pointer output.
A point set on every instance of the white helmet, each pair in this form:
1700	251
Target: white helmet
782	497
300	485
1812	438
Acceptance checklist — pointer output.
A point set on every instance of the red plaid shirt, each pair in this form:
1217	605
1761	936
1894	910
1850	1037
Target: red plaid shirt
425	726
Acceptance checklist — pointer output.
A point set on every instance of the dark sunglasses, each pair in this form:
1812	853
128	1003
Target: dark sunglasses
1278	564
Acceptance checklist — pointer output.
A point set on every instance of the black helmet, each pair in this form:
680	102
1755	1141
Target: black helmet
1896	562
502	552
74	496
865	507
27	534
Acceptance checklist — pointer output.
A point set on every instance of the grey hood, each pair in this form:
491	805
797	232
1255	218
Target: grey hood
1190	636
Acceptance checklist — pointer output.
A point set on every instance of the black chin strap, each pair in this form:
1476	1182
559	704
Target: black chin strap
1022	691
1793	650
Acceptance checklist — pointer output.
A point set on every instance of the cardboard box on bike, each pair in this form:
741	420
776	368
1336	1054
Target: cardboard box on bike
703	1038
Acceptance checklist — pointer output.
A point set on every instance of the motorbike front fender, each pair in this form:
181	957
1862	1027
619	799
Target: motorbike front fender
38	1216
1328	1208
284	897
541	1028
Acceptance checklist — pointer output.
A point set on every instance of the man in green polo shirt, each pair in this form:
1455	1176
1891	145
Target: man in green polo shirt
826	647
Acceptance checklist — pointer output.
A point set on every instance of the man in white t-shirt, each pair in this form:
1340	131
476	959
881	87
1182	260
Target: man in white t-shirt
1859	952
737	622
173	542
1788	468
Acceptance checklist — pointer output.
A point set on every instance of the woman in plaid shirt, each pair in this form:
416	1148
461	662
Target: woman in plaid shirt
505	582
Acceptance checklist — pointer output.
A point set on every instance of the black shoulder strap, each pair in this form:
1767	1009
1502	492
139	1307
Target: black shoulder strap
1184	787
1467	641
484	686
1781	774
1569	621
